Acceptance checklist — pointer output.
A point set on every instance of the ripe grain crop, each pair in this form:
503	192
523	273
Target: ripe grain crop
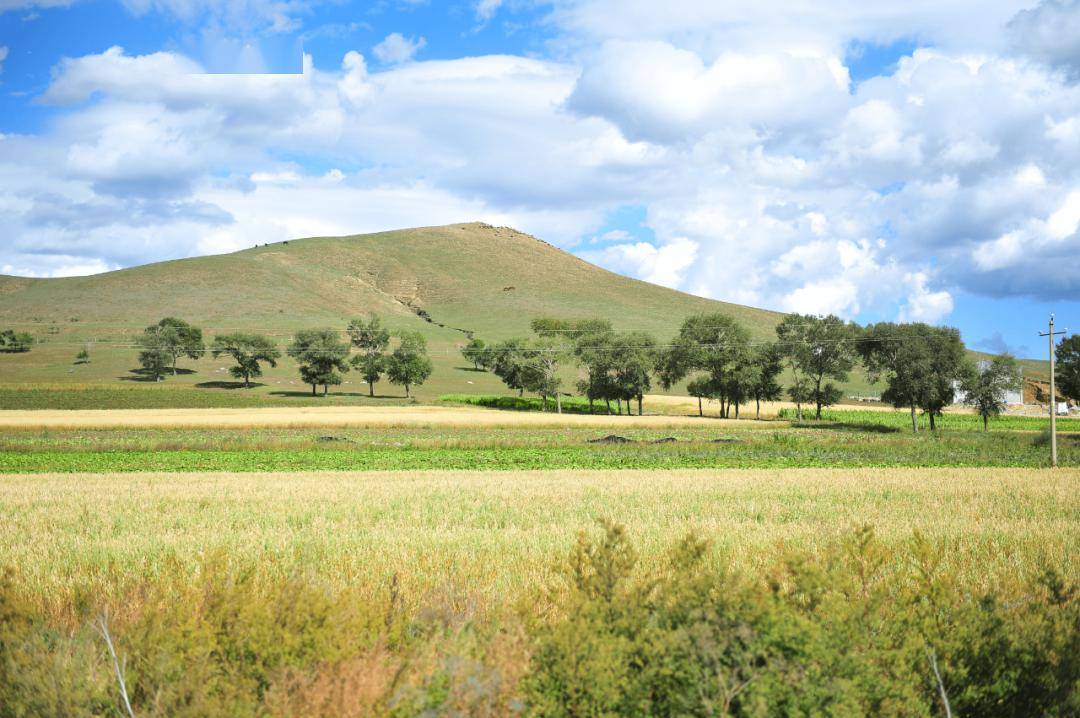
495	533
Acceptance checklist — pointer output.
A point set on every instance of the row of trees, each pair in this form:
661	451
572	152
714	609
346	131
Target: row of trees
323	357
618	365
924	367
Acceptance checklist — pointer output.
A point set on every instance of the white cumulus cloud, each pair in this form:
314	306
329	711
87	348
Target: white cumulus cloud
396	48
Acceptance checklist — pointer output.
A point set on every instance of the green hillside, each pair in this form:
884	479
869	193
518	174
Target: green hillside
463	278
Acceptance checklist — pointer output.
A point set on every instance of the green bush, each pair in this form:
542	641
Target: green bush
835	634
850	630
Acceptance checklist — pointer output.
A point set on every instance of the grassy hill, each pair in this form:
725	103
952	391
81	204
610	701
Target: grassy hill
442	281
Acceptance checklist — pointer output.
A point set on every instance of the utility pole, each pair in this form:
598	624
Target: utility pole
1053	394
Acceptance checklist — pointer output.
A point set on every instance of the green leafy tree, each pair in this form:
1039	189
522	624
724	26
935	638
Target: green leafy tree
921	364
369	336
1067	367
508	362
949	369
476	353
766	364
83	357
713	343
12	342
634	361
409	365
701	388
371	367
540	361
986	388
178	339
155	353
594	349
899	354
249	351
817	349
372	339
322	357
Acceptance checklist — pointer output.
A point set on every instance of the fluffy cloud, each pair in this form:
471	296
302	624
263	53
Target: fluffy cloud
396	48
1050	32
654	91
665	264
486	9
3	56
765	174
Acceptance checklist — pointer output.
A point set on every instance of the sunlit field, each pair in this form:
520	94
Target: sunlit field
459	560
496	533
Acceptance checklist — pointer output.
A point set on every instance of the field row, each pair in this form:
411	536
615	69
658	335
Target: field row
631	446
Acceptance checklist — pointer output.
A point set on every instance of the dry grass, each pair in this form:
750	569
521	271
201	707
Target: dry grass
493	534
334	416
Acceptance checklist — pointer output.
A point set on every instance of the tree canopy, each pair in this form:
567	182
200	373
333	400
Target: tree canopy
921	364
408	365
1067	367
369	335
476	353
986	388
322	357
817	349
249	351
714	344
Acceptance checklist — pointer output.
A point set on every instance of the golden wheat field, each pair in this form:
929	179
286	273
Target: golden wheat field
495	533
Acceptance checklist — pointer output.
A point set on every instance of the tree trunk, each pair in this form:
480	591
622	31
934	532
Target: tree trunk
758	416
247	380
313	389
699	411
798	409
608	402
407	392
640	401
914	420
558	403
590	405
543	398
325	388
174	365
817	399
986	423
371	389
933	426
736	410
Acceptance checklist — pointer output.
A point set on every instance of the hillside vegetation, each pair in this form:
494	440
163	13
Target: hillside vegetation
445	282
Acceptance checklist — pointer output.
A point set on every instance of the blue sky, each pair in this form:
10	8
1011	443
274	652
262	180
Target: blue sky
918	162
